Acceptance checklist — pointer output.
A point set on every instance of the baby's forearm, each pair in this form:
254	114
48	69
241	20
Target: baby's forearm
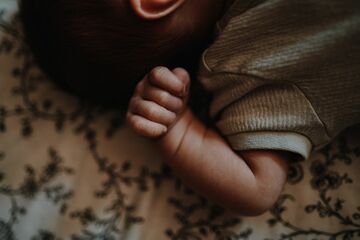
248	182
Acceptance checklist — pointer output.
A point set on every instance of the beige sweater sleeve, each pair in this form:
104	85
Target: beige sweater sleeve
285	74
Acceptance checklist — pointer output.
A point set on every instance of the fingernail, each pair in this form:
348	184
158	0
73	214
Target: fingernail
185	91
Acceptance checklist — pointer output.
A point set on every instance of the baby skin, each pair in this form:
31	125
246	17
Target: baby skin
246	182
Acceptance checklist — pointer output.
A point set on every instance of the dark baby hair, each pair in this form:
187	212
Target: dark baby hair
94	51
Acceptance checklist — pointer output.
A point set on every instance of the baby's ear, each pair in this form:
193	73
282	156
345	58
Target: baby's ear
155	9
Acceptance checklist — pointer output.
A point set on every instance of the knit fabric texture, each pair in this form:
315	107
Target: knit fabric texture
287	70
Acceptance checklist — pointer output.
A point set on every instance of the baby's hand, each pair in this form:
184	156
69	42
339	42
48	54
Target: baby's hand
158	101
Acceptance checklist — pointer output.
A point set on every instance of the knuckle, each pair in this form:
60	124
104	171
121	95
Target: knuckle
140	126
163	97
157	73
172	117
151	111
181	71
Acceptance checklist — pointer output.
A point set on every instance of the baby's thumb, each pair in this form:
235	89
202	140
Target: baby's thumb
184	76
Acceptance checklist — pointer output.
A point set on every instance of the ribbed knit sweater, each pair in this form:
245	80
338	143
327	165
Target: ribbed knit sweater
285	74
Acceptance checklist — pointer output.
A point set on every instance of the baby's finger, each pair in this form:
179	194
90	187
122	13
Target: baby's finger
162	97
140	87
183	75
151	111
165	79
145	127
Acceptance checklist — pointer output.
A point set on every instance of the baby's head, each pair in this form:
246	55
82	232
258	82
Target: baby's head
101	48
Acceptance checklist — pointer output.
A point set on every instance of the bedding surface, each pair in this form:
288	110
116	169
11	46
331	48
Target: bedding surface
70	170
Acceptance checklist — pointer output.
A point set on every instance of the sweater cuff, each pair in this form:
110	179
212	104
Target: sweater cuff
287	141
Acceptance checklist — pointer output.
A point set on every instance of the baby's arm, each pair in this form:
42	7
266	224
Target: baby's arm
248	182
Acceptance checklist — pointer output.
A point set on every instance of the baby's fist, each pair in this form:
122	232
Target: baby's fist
158	101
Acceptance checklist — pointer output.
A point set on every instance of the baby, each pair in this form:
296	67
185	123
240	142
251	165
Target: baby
284	77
